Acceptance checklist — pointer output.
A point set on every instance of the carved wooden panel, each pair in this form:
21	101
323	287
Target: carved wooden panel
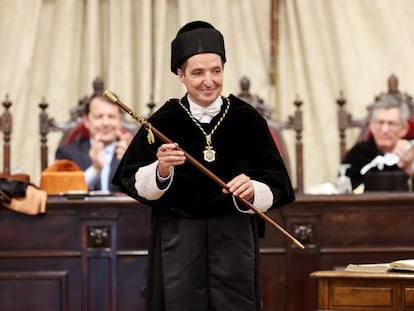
34	290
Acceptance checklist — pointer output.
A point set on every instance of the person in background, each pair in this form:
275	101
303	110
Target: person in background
99	154
386	157
204	253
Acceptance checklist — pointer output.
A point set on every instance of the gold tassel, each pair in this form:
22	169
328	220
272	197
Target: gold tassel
150	135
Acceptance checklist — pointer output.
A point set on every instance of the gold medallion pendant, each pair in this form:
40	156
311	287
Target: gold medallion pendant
209	154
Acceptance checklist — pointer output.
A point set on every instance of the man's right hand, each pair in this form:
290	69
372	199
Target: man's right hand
168	156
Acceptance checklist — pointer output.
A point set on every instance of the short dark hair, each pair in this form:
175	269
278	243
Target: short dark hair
86	109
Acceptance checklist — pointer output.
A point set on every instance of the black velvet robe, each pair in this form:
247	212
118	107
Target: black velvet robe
391	178
204	253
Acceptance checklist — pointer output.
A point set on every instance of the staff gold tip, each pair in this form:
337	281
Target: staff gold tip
300	245
110	96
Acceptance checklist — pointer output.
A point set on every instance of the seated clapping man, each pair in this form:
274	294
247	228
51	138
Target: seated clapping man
384	161
99	154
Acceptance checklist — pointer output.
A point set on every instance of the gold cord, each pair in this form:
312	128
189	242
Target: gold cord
207	136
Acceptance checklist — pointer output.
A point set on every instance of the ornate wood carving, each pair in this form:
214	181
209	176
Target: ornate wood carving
99	237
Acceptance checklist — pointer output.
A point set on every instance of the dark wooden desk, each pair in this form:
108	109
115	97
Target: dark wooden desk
336	230
339	290
81	255
90	255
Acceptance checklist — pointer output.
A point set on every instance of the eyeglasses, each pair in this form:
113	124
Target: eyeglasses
393	125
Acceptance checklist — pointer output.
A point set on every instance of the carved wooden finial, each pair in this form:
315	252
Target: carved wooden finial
98	86
151	105
6	103
341	101
393	84
298	102
245	84
43	104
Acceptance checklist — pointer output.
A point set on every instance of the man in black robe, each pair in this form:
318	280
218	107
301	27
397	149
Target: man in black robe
204	252
384	161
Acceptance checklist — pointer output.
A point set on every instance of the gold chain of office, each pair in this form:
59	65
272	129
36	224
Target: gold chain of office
209	152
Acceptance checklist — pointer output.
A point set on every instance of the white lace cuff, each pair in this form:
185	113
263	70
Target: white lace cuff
146	182
263	198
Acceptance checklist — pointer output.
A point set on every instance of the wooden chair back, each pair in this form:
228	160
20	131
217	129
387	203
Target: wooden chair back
6	128
347	121
293	122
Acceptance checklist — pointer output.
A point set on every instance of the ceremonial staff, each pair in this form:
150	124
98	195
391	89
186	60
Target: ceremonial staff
152	130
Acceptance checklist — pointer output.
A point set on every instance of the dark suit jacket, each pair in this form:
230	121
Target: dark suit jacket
78	152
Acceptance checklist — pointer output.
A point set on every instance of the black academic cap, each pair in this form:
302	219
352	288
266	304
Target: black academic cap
195	38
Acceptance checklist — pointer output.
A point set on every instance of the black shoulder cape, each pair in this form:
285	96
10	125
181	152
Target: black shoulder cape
242	142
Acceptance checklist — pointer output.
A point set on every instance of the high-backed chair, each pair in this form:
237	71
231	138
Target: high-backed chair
73	128
347	121
6	128
277	127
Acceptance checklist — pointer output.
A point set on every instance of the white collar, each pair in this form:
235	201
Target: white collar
205	114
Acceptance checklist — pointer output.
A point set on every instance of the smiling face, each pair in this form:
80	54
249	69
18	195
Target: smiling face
202	74
387	128
104	120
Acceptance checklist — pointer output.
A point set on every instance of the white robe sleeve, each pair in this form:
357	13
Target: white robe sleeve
263	198
146	182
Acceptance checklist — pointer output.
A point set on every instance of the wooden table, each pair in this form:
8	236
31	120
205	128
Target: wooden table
341	290
91	255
